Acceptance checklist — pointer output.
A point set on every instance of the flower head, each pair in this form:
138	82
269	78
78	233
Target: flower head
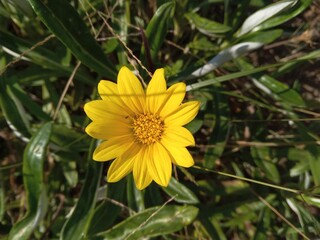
142	129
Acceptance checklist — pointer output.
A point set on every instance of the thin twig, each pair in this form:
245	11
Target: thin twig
62	199
124	44
121	36
65	91
121	205
281	216
149	218
25	53
89	19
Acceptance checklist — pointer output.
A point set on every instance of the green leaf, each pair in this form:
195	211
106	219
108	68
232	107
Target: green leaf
264	37
152	222
157	29
41	56
181	193
107	212
67	161
264	14
64	21
206	26
76	226
69	138
224	56
274	88
219	135
262	159
29	104
314	160
283	91
33	159
309	223
286	15
14	117
194	125
263	225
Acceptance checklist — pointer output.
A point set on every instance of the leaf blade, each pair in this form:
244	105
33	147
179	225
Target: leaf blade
74	34
33	160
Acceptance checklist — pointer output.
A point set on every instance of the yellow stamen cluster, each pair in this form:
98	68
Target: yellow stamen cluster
147	128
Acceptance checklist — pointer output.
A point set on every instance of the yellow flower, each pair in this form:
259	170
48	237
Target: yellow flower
142	129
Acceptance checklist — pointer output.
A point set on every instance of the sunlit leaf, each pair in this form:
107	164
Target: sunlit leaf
264	14
150	223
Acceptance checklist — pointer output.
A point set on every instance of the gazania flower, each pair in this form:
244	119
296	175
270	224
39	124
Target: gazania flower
142	129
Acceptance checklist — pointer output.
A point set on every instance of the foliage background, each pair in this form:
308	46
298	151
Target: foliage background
253	65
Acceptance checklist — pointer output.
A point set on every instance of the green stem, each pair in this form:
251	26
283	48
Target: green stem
250	180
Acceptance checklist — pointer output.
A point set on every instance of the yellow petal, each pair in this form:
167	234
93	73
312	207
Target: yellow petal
185	113
109	91
108	129
159	164
180	156
99	110
140	171
112	148
156	91
119	168
131	90
177	136
123	165
174	96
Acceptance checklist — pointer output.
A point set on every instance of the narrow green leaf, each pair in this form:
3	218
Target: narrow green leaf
283	91
64	21
212	228
33	160
194	125
291	65
273	87
285	15
224	56
76	226
69	138
264	14
264	37
29	104
152	222
262	159
107	212
11	112
67	161
157	29
307	221
219	135
206	26
41	56
314	160
180	192
2	198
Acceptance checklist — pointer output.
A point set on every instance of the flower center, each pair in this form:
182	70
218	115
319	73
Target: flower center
147	128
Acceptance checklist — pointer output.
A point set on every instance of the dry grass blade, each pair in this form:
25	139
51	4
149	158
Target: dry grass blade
281	216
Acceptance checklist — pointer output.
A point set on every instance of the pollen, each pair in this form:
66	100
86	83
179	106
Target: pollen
147	128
